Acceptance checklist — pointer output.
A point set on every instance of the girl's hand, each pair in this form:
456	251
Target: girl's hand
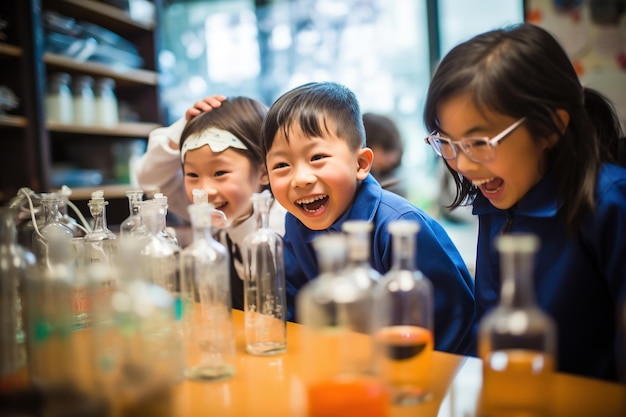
205	105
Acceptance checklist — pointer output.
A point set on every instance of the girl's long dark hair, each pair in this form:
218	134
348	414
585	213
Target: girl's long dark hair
522	71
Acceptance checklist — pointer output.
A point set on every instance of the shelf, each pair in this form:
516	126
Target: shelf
120	73
90	10
120	130
10	50
12	121
110	191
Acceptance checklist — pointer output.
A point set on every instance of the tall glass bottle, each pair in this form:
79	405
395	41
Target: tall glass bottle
137	351
338	379
100	245
133	223
163	252
264	284
516	340
404	320
16	263
56	365
205	271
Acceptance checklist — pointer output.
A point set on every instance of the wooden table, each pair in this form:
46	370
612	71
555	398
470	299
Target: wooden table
271	386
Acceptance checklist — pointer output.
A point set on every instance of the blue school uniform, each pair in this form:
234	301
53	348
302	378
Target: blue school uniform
436	257
579	280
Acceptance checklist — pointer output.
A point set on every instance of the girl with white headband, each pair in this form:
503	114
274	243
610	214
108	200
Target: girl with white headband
220	153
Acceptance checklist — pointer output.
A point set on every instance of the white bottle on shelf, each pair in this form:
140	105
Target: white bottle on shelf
84	101
59	102
106	103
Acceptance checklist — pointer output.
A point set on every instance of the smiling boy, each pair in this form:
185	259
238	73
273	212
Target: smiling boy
314	144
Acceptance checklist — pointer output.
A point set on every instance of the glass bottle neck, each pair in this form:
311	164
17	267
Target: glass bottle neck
99	217
51	211
517	280
403	252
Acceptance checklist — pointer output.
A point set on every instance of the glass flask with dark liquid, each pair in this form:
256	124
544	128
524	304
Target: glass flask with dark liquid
516	340
403	321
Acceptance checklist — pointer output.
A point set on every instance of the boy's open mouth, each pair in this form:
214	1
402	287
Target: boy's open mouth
313	204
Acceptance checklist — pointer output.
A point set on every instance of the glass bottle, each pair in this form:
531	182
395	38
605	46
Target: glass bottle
100	242
219	217
403	321
84	101
163	252
52	230
97	252
517	340
265	311
59	102
66	219
137	349
208	332
133	223
106	108
61	370
162	219
16	263
359	267
339	379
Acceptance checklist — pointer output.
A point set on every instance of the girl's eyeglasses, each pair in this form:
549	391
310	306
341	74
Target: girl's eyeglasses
476	149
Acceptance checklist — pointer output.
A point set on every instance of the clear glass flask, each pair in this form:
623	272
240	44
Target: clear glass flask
265	309
137	349
162	219
339	379
403	321
100	243
52	230
359	267
16	264
205	273
57	365
133	223
517	340
163	269
66	219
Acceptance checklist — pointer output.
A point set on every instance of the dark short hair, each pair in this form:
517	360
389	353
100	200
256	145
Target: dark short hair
310	106
381	131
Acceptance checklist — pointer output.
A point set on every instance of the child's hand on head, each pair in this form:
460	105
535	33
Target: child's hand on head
205	105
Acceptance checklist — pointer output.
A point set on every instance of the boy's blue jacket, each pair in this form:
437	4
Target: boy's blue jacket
580	279
436	256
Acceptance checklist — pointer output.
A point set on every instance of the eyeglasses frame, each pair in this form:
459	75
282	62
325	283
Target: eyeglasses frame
492	143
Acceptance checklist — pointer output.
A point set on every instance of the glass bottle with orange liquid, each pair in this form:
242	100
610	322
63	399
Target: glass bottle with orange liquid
403	321
337	354
516	340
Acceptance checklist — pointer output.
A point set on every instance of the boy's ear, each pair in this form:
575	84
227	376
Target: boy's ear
264	178
366	156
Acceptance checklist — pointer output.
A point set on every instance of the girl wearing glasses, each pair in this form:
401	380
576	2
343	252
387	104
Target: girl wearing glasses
534	151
